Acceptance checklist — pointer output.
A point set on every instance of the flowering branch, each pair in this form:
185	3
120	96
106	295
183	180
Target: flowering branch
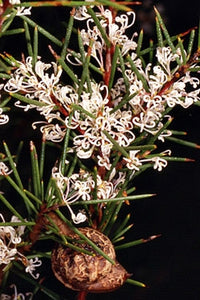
105	106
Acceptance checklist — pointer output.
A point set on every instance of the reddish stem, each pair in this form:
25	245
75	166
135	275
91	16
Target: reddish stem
82	295
181	72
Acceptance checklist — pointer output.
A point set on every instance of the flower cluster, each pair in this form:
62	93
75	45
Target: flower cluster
149	102
103	120
10	239
82	186
114	28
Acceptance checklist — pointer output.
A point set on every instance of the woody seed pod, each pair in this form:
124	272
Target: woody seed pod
82	272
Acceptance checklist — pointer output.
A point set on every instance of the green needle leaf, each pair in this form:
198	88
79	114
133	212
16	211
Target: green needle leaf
183	142
35	171
28	203
11	208
13	166
134	197
136	242
99	26
115	144
28	39
42	31
135	282
35	46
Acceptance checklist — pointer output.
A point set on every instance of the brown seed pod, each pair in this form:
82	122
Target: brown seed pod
83	272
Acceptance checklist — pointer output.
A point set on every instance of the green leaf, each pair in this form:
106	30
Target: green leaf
11	208
183	142
35	46
27	100
137	73
42	30
159	34
28	203
115	144
135	282
85	72
13	166
99	26
35	171
28	39
13	31
139	42
114	67
165	31
133	197
121	226
136	242
190	43
67	37
122	232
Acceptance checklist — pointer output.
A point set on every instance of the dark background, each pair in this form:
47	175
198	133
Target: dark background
169	265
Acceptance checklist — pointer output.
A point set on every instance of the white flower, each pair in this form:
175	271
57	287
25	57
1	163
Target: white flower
80	186
4	170
9	239
16	296
133	162
79	218
6	254
52	132
3	118
81	12
39	83
159	163
164	134
165	57
104	162
73	189
21	11
117	124
114	28
31	264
